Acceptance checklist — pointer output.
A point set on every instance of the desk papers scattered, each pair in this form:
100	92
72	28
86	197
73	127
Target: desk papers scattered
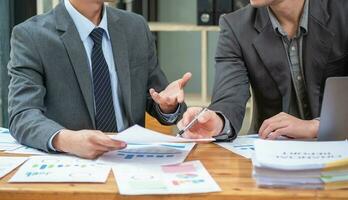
242	145
7	142
27	150
184	178
61	169
298	164
7	164
4	130
10	145
155	154
139	135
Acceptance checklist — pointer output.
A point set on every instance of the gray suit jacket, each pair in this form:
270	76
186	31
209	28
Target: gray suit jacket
51	86
250	53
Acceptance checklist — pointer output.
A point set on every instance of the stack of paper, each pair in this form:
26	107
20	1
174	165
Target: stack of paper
298	164
189	177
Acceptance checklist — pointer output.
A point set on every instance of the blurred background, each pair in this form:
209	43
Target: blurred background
186	33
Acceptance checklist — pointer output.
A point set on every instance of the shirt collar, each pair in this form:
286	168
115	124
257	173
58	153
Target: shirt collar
303	21
85	26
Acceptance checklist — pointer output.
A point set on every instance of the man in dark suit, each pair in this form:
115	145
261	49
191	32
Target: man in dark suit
284	50
83	69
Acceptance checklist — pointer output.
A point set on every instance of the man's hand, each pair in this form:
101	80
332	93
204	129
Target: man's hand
284	124
209	124
173	95
85	143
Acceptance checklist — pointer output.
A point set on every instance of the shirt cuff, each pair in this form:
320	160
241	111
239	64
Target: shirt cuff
171	117
227	133
50	142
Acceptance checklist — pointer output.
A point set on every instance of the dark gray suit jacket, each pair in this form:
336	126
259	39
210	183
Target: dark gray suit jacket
250	53
51	86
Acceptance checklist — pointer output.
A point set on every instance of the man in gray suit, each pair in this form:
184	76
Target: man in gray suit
284	50
83	69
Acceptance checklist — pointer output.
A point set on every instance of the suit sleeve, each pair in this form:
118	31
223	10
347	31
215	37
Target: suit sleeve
158	81
231	85
27	120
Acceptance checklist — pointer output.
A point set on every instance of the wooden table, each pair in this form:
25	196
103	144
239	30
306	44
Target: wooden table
232	173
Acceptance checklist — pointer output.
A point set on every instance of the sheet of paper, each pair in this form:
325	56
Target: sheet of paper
7	164
140	135
61	169
4	130
242	145
155	154
7	142
185	178
293	155
27	150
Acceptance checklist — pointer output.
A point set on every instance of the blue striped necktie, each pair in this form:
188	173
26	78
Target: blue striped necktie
105	113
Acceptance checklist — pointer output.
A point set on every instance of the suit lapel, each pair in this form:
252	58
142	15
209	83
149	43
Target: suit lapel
120	53
77	56
271	51
316	48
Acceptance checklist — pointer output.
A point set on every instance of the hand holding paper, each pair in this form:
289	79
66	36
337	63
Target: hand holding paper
140	135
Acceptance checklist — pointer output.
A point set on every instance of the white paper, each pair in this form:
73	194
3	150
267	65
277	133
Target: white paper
155	154
4	130
61	169
7	142
27	150
297	155
140	135
185	178
242	145
7	164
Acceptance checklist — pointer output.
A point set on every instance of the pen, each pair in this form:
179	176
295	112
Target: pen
195	119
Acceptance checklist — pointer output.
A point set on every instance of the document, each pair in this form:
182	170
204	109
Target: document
242	145
145	154
140	135
26	150
4	130
7	164
7	142
298	155
61	169
184	178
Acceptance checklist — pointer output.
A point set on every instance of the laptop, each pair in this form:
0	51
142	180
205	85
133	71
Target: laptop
334	110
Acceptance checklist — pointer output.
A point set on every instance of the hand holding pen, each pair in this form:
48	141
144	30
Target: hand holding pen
194	121
198	123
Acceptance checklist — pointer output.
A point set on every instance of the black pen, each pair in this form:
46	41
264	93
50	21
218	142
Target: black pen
195	119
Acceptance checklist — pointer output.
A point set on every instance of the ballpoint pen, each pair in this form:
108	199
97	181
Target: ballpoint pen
195	119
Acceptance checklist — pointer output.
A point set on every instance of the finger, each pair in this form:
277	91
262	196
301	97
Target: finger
277	134
273	127
181	97
205	117
155	95
189	115
265	124
91	154
184	80
191	135
106	141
